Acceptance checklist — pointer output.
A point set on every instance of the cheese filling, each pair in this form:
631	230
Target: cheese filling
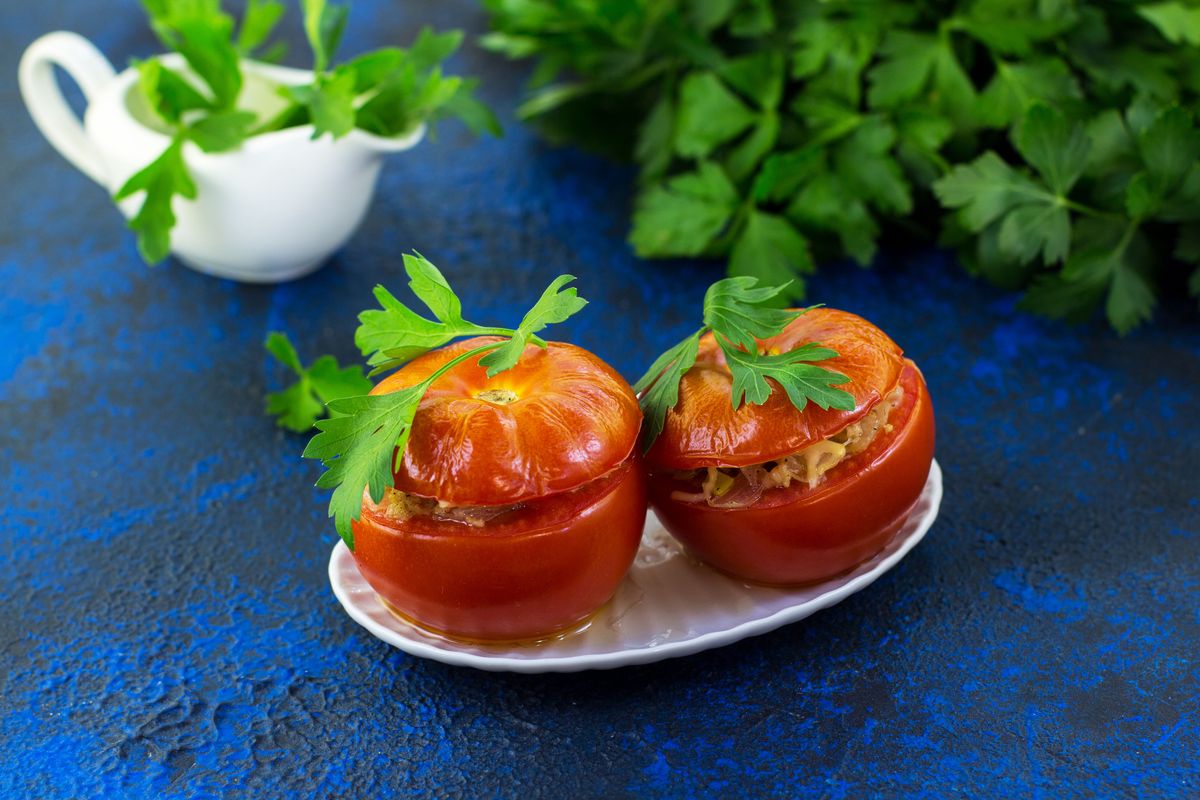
736	487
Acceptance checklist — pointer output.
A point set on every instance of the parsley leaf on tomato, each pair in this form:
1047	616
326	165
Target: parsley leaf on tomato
364	438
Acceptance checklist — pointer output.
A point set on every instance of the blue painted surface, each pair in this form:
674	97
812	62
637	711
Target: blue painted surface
167	627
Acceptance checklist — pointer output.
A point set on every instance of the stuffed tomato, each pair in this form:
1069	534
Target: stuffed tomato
519	502
783	495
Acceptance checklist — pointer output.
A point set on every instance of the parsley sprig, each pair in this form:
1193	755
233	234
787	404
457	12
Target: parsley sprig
735	313
388	92
302	403
1059	138
363	441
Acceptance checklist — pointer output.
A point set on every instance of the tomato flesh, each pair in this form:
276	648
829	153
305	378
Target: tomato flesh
540	569
800	535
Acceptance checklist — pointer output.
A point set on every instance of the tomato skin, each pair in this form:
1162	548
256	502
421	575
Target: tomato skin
575	419
704	430
539	570
799	535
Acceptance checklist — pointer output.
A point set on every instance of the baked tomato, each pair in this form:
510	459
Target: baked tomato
520	500
777	495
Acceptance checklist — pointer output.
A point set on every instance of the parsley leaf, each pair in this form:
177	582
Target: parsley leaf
734	308
329	102
1056	148
761	129
363	441
357	447
300	405
258	22
169	95
709	114
389	93
801	380
221	130
737	312
395	334
772	250
555	305
683	216
203	35
324	24
161	180
660	384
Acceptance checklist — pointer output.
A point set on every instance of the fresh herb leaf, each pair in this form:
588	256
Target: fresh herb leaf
168	93
557	304
258	22
203	34
329	102
221	130
739	313
683	216
161	180
357	447
389	93
1055	147
773	251
395	334
659	387
709	115
1026	118
742	311
324	24
302	403
1177	22
801	380
362	443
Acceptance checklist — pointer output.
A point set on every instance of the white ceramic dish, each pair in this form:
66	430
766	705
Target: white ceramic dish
669	605
272	210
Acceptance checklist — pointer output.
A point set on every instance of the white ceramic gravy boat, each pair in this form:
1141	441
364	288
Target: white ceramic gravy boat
270	211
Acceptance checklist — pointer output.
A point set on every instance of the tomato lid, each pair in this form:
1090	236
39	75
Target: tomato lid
558	419
704	430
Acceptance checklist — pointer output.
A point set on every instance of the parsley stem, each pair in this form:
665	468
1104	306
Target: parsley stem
1088	210
452	363
507	333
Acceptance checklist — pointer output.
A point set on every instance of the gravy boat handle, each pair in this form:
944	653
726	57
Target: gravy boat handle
49	109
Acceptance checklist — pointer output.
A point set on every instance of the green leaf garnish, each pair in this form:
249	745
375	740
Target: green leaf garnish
302	403
388	93
765	132
258	22
324	24
363	441
738	312
556	304
390	336
161	180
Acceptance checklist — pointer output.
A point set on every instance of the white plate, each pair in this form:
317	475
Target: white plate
668	605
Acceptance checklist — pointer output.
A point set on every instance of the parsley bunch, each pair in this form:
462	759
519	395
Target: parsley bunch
387	92
362	442
1058	137
735	313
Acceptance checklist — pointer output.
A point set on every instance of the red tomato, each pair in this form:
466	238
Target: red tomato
797	535
556	435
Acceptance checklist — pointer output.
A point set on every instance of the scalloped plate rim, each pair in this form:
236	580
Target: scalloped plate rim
840	589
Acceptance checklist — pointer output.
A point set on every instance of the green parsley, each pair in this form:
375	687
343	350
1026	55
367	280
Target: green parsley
304	402
1059	138
363	440
388	92
738	312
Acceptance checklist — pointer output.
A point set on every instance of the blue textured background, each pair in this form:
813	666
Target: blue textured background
167	628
